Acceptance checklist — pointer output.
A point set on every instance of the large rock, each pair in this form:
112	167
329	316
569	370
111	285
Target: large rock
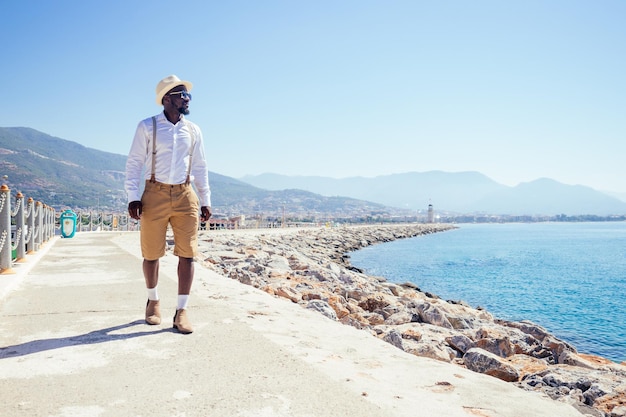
374	302
461	343
555	345
401	317
481	361
322	307
501	347
433	314
431	350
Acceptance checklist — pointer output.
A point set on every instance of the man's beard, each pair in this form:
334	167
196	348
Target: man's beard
183	110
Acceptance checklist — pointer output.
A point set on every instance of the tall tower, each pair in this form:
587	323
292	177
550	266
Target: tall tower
431	214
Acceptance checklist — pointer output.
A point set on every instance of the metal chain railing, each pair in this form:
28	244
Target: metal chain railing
104	222
3	239
3	198
21	230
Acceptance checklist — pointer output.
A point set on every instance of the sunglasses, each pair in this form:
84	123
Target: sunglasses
183	94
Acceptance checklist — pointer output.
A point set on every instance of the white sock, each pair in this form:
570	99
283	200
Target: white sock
153	294
182	301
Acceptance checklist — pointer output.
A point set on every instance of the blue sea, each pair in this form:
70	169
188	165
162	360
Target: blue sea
567	277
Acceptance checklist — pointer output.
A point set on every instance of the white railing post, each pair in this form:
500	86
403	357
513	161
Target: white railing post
20	228
38	229
50	228
5	229
30	217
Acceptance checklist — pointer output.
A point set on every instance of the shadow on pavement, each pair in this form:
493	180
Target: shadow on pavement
97	336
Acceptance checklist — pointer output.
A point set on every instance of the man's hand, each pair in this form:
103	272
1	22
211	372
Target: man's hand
134	209
205	213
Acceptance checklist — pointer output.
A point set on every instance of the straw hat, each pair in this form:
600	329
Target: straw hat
166	84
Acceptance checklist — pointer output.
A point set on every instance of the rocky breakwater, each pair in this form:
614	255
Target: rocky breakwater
311	267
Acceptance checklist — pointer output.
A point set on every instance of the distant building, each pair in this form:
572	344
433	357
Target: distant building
431	214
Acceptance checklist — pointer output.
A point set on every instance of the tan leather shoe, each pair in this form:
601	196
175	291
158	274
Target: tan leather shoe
181	322
153	312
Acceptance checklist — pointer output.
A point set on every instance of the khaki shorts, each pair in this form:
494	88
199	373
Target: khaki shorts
165	204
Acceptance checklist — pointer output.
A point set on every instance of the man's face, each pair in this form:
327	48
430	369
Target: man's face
178	98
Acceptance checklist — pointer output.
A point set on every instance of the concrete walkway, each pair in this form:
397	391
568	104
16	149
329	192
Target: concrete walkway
73	343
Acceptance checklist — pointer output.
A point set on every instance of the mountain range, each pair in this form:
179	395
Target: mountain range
63	174
458	192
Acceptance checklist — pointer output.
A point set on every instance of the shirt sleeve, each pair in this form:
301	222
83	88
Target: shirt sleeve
135	163
200	171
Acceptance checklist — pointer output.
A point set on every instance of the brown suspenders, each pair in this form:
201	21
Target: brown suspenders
193	144
152	176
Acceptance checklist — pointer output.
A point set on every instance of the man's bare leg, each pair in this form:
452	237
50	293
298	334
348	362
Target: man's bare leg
151	272
185	275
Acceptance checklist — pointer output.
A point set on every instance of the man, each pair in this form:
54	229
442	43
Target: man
168	154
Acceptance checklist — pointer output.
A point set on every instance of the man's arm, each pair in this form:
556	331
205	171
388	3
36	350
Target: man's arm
200	171
134	168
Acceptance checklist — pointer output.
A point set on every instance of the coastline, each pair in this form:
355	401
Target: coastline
310	267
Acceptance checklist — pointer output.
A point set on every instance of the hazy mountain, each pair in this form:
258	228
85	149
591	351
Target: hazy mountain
546	196
619	196
460	192
414	190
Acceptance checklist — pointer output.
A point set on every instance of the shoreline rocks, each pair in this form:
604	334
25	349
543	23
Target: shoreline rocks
310	267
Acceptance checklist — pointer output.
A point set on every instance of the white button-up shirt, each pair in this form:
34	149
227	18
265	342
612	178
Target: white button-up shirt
173	147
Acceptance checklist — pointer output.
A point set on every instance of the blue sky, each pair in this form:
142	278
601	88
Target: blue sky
514	90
